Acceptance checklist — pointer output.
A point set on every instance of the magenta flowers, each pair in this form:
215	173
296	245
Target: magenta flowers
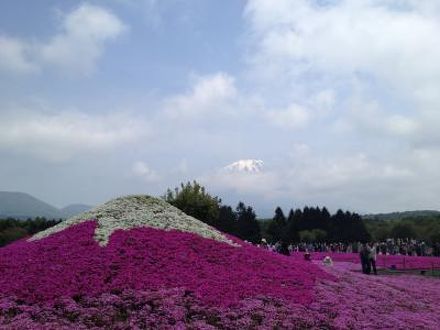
360	301
71	265
383	261
151	278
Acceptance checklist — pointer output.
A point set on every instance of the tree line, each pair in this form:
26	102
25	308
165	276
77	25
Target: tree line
423	228
194	200
314	224
308	224
12	229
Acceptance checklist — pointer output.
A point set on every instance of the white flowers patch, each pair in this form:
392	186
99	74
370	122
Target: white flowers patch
137	211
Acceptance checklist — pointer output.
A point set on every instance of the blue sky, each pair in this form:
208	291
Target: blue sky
337	99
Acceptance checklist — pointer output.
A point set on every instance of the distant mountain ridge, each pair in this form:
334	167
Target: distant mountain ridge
21	205
401	215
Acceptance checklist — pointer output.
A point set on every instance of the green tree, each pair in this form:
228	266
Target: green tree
292	235
248	227
227	220
314	235
193	199
11	234
277	227
403	230
434	237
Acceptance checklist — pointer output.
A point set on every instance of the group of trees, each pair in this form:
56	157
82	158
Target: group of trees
424	228
313	224
193	199
308	224
13	229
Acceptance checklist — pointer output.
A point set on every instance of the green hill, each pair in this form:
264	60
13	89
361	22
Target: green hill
401	215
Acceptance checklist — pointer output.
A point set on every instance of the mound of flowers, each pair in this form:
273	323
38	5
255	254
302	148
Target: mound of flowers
126	269
137	211
149	277
147	274
72	263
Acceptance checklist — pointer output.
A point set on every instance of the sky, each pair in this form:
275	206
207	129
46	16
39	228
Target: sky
292	102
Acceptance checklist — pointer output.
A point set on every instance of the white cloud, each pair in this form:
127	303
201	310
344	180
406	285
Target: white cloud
80	42
319	175
84	33
143	171
182	167
63	135
360	182
14	56
401	125
372	121
324	101
295	116
345	37
379	52
208	96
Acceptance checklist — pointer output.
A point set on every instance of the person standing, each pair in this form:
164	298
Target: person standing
364	255
284	248
372	257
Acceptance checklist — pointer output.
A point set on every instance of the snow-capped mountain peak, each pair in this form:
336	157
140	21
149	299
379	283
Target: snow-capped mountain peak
246	165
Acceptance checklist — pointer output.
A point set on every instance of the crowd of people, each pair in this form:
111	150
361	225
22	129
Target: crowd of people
409	247
367	251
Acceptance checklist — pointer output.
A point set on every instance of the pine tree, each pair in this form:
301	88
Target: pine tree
292	235
227	220
277	227
247	225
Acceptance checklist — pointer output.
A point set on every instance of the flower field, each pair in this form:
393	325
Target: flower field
383	261
68	278
151	277
361	301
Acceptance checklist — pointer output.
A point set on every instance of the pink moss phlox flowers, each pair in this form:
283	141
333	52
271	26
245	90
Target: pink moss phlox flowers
71	263
150	278
360	301
383	261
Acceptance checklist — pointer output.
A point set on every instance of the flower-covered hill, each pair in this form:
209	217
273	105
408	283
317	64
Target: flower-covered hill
139	262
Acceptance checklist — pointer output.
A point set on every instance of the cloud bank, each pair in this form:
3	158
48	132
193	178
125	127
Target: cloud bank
81	39
59	136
